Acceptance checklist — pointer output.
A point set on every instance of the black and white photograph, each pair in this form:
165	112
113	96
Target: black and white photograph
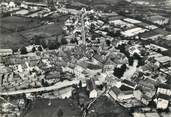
85	58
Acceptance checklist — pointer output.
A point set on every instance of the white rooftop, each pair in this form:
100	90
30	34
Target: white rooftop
163	59
134	31
132	20
168	37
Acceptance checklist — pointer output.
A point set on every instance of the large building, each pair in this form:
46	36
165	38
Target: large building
5	52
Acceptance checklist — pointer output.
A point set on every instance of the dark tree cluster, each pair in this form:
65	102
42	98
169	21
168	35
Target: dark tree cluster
60	113
136	57
139	58
44	83
131	59
118	72
108	42
122	48
23	50
74	41
113	33
51	44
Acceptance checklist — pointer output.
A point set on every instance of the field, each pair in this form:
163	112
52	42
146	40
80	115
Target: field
9	38
45	31
103	107
40	108
17	24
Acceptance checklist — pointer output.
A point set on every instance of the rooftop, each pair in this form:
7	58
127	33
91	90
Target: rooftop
129	83
163	96
163	59
168	37
132	20
164	86
149	34
157	17
116	90
125	88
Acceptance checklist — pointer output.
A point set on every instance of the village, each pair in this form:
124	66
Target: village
99	55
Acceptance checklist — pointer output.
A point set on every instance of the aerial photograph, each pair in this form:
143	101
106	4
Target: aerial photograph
85	58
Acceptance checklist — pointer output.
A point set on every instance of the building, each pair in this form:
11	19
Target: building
129	84
147	114
133	32
132	21
122	93
121	24
114	92
12	5
91	87
164	60
150	35
5	52
134	50
160	20
168	37
141	97
156	48
125	95
164	89
163	101
138	94
145	99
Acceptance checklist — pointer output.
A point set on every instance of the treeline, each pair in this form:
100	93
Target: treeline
48	43
133	57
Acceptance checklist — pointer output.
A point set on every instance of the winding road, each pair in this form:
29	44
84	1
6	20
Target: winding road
54	87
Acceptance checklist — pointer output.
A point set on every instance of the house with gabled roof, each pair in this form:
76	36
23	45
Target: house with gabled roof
91	87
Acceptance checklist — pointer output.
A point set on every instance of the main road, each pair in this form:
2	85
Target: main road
54	87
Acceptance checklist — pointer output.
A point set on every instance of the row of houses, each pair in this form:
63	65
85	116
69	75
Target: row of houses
129	91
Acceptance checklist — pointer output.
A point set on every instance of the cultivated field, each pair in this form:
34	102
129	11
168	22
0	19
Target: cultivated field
45	31
11	40
40	108
17	24
16	32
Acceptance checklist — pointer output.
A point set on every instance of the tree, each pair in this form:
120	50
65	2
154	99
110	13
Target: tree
37	39
33	49
139	58
44	83
118	33
130	60
44	43
60	113
74	41
64	41
40	48
80	84
118	72
123	67
51	45
92	27
122	48
23	50
108	42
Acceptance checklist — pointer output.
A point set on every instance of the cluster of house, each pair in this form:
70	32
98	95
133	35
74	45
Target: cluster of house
20	72
127	92
160	20
148	84
91	56
8	7
131	94
27	9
